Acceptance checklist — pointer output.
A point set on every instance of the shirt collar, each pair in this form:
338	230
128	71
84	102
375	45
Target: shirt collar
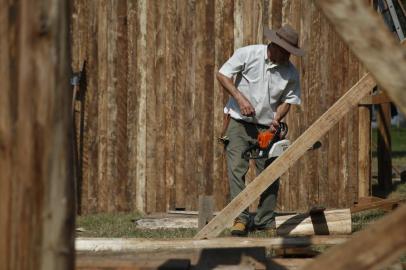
268	62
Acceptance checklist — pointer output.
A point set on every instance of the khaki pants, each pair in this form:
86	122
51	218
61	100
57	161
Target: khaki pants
240	134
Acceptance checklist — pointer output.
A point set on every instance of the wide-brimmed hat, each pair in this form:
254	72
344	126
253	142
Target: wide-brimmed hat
287	38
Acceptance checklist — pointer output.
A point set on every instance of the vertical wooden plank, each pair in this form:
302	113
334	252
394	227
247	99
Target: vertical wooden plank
305	28
193	113
121	85
276	10
238	24
110	108
364	153
315	104
333	136
160	71
205	91
224	42
142	110
343	169
179	122
102	120
352	188
384	147
170	104
132	102
324	71
8	119
36	192
151	142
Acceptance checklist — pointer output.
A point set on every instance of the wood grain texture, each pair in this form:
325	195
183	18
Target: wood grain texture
36	189
325	223
290	156
153	108
146	245
387	243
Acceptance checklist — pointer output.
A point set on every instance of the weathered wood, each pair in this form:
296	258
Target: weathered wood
375	99
142	148
167	223
384	150
368	37
291	155
387	243
388	204
242	258
323	223
206	205
36	188
364	154
147	245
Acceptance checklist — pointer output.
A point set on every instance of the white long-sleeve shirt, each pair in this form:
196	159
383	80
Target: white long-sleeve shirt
263	83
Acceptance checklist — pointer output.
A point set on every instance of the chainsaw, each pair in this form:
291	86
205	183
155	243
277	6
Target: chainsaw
268	145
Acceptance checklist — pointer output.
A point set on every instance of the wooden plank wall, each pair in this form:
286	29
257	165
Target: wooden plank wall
153	108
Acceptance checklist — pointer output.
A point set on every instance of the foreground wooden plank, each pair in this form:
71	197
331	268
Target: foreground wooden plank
389	204
368	37
147	245
324	223
372	248
288	158
240	258
36	194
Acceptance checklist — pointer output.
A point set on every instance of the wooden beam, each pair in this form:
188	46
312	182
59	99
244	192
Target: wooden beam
375	99
389	204
288	158
241	258
323	223
147	245
368	37
373	248
206	205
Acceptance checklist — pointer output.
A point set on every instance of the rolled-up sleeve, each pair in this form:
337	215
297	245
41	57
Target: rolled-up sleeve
235	64
291	94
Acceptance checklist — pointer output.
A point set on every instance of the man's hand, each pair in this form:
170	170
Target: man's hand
246	108
274	125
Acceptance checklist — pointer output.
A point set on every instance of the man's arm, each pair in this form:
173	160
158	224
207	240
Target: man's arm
245	106
280	113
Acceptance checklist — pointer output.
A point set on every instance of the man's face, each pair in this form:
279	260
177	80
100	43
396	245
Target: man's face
277	54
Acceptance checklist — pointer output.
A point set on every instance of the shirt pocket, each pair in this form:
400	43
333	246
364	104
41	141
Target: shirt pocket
276	88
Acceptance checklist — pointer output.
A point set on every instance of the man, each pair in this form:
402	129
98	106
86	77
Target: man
262	84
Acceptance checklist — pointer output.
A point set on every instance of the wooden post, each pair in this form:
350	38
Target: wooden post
288	158
364	153
206	208
384	147
36	188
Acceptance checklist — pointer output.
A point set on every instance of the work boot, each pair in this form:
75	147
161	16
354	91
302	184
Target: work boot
239	228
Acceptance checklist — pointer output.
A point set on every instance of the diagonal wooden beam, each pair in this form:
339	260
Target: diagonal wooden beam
374	248
288	158
368	37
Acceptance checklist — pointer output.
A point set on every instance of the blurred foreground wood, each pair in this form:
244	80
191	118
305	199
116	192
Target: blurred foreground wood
36	202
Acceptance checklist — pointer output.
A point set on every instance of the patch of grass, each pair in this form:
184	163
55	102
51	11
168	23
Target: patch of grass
122	225
363	219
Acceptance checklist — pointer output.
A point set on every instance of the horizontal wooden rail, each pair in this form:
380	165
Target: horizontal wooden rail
146	245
